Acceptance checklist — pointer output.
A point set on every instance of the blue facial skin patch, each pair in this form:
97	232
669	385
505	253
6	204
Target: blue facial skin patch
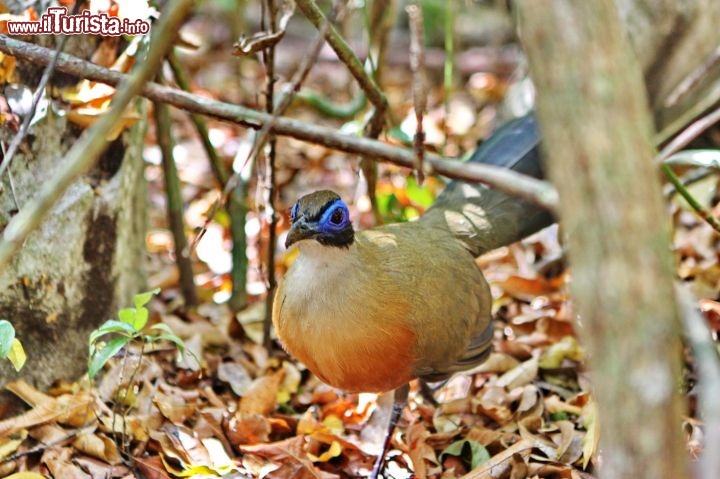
335	218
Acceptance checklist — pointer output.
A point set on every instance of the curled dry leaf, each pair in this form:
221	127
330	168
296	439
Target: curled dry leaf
151	467
99	446
521	375
493	403
261	397
497	363
59	463
500	463
236	375
421	454
263	40
248	428
174	407
289	455
73	410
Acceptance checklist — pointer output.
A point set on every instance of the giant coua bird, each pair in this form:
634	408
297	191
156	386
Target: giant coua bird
370	310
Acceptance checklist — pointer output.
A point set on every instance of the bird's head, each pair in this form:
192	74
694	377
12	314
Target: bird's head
323	217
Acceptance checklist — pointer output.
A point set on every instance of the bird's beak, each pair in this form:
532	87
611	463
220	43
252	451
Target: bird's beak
300	230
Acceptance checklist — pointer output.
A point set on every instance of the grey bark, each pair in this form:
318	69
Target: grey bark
84	261
598	137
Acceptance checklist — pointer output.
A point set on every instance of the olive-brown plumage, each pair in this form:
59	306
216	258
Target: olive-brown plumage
402	301
371	310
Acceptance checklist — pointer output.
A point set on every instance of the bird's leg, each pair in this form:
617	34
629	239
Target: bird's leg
428	392
399	403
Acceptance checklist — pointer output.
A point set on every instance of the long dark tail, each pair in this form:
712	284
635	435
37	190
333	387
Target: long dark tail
484	218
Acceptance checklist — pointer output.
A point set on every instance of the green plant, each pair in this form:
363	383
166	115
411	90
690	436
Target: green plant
10	347
130	326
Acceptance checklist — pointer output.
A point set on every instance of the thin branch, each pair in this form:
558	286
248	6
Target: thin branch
284	102
270	124
181	78
84	153
682	190
695	110
538	192
327	107
676	144
270	15
706	357
345	54
448	65
39	92
688	134
175	204
237	207
419	90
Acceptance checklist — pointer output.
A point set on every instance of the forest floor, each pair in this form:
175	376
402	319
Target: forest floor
231	407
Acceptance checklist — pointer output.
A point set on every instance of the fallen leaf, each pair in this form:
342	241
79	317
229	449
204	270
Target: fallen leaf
500	462
519	376
261	396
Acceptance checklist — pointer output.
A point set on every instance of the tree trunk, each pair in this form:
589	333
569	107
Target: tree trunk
85	260
598	138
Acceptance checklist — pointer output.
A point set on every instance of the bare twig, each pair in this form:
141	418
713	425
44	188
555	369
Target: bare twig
175	204
683	191
449	62
284	102
39	92
675	145
327	107
708	364
688	134
380	20
692	79
703	104
218	167
237	208
270	16
536	191
47	445
88	147
344	53
417	65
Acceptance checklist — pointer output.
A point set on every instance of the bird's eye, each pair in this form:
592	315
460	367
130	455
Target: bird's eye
293	212
338	216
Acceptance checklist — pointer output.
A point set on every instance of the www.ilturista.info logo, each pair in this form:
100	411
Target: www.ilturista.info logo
56	21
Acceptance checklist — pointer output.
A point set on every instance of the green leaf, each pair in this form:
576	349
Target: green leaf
471	452
559	416
179	343
390	208
7	335
141	318
103	355
17	354
111	326
162	327
419	195
142	299
396	133
127	316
